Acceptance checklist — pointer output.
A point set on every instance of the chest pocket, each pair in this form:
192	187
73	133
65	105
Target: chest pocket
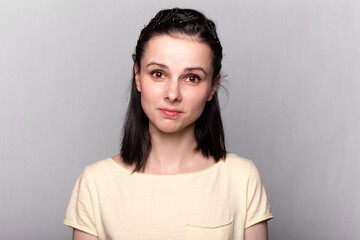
215	232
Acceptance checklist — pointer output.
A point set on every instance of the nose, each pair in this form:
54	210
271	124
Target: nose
173	91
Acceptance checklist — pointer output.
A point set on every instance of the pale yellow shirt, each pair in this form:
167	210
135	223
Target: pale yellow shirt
110	202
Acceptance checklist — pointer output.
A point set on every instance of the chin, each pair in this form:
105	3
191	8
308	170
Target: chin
168	130
172	128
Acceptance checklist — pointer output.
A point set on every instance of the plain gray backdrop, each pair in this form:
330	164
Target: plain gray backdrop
293	79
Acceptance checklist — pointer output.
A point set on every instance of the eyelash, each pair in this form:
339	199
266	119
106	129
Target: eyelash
187	79
153	74
197	79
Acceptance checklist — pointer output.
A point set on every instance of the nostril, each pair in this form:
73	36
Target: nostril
173	92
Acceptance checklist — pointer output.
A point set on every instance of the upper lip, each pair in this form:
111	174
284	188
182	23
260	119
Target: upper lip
171	110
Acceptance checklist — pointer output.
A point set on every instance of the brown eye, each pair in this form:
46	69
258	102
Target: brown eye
157	74
192	79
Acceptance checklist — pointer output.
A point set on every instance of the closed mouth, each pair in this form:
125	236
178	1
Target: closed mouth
170	112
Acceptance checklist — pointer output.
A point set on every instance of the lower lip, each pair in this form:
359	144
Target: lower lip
170	114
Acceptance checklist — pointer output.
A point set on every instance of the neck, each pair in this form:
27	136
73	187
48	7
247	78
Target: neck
172	153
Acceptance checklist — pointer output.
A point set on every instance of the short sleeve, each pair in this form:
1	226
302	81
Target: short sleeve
258	207
80	213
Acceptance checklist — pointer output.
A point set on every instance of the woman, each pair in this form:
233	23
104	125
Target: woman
173	178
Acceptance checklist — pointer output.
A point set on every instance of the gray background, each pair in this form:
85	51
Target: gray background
293	80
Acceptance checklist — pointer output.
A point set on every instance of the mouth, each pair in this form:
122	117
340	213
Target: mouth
170	113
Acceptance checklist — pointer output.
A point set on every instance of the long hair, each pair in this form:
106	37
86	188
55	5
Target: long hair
209	132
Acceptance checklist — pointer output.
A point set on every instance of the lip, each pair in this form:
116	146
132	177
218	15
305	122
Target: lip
170	113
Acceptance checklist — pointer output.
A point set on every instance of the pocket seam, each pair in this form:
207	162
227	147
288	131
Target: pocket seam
223	225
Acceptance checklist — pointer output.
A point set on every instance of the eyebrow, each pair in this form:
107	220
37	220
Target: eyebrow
157	64
186	69
196	69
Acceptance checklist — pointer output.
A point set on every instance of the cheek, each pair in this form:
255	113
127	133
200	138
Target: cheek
198	103
145	101
149	98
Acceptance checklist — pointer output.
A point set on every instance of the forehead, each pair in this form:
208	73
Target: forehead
180	50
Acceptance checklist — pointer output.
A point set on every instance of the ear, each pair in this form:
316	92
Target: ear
214	87
137	76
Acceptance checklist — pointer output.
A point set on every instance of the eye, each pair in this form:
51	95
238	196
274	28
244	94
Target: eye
157	74
192	79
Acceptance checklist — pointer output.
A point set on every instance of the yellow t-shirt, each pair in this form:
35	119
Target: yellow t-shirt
219	202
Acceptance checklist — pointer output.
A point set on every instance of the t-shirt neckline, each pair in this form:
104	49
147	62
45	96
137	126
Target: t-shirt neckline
203	171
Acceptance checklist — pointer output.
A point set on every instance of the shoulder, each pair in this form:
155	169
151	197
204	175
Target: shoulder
237	167
99	169
100	165
236	163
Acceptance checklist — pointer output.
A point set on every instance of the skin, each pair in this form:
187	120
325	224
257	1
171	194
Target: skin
176	73
80	235
175	79
258	231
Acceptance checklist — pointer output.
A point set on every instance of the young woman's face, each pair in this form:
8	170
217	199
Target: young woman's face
175	81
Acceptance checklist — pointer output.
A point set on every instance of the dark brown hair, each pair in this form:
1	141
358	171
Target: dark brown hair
209	132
